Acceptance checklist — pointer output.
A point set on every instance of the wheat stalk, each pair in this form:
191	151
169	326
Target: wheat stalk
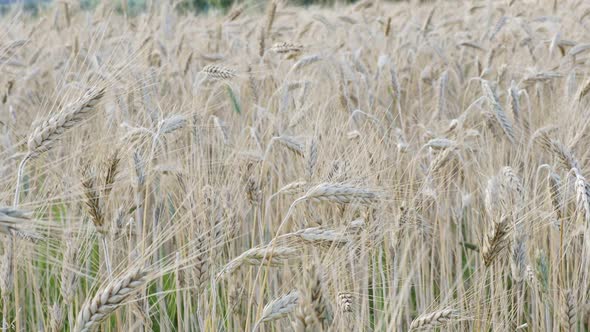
554	186
285	47
46	135
13	220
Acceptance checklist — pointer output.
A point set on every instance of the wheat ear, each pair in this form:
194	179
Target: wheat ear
278	308
109	299
570	310
495	241
499	113
219	72
341	193
45	135
270	15
434	319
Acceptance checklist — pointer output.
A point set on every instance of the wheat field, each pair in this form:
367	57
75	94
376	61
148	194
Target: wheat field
375	167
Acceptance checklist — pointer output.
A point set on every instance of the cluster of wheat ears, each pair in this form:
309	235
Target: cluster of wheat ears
374	167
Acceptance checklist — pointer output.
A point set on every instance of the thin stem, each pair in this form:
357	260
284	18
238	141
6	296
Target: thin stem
107	258
19	175
11	250
272	246
4	312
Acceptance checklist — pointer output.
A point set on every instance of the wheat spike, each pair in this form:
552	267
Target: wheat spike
584	89
311	156
201	263
440	143
583	196
69	278
57	318
270	15
260	257
285	47
293	188
93	201
235	13
441	96
306	61
518	257
341	193
495	241
218	72
345	302
279	307
434	319
108	299
291	143
570	311
44	136
565	156
512	184
321	236
498	111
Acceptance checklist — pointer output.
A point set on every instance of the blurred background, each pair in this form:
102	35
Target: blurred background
137	6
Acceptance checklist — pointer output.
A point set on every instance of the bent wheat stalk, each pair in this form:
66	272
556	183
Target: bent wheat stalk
46	135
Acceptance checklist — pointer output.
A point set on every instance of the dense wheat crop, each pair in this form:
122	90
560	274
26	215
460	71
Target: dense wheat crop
376	167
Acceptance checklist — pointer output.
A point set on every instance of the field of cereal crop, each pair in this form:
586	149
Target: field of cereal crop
369	167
